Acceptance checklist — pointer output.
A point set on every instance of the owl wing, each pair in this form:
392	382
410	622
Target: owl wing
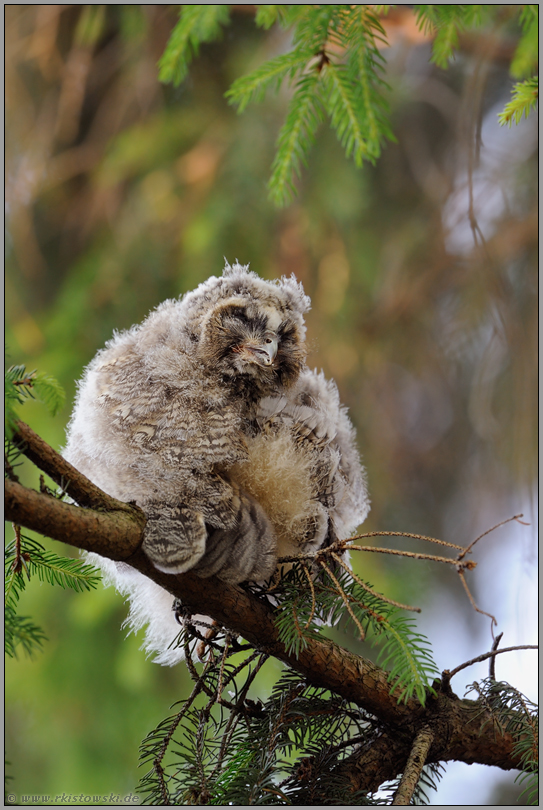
166	447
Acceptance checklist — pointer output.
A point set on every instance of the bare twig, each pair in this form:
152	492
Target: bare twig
467	565
474	115
413	554
345	545
406	534
471	599
491	654
497	526
343	596
458	562
224	656
190	664
313	598
367	588
21	558
414	766
10	472
492	667
83	491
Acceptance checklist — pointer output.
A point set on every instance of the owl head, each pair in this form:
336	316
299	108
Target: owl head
240	329
252	331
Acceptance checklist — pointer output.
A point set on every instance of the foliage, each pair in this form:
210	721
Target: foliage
447	22
284	751
20	385
513	713
24	556
307	606
526	57
199	24
524	100
335	67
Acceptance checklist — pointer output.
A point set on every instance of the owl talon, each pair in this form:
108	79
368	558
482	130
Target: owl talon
207	640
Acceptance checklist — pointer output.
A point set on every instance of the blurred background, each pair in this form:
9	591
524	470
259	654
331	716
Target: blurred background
122	192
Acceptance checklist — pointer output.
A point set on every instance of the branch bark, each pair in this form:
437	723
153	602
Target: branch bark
413	768
460	729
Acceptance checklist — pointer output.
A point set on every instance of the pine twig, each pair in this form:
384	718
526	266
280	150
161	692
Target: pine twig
157	760
367	588
414	766
239	709
313	597
343	596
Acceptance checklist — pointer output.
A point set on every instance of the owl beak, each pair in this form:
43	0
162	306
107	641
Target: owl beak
261	353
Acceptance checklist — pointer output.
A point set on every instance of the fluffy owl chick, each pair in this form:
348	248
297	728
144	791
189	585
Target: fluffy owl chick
207	417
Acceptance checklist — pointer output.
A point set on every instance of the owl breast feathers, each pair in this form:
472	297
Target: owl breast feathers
207	417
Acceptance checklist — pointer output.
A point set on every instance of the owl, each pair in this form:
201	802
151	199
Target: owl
207	417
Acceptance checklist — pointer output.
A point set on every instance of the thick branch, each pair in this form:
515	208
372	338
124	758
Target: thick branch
114	534
378	761
74	483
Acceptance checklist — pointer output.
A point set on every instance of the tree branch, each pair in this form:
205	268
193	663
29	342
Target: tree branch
492	655
461	728
74	483
114	534
413	769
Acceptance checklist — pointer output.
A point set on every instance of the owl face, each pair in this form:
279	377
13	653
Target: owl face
254	343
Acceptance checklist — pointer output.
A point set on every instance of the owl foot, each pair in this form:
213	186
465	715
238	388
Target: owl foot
174	538
246	551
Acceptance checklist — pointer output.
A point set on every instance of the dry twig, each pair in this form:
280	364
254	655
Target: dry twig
370	590
492	667
414	766
491	654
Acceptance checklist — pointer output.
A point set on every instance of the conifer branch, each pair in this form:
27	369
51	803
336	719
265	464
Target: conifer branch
72	482
461	728
112	534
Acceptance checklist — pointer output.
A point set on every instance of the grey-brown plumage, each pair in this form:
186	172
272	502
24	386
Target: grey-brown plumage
207	417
